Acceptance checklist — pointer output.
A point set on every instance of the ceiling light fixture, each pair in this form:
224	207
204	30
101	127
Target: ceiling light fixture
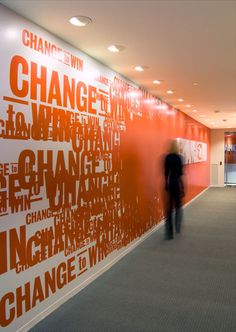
170	92
180	99
194	111
80	21
139	68
202	115
188	105
157	82
195	83
115	48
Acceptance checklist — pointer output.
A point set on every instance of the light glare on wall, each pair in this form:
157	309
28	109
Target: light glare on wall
163	107
133	94
11	33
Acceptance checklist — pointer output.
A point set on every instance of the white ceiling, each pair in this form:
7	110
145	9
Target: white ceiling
181	41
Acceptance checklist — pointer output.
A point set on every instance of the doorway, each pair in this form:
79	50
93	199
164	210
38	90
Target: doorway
230	158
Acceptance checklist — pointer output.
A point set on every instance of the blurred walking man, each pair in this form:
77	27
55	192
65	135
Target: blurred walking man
175	188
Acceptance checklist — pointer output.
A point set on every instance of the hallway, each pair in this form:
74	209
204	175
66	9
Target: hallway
188	284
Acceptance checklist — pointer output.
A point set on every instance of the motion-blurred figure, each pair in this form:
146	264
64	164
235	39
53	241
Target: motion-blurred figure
175	188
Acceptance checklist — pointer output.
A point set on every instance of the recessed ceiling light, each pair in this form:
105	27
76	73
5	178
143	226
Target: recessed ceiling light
195	83
194	111
212	122
180	99
115	48
80	21
140	68
157	82
202	115
170	92
188	105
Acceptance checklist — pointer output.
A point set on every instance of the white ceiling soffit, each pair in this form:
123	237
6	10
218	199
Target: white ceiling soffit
181	42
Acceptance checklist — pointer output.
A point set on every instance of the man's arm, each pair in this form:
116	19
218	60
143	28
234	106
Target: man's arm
181	182
167	170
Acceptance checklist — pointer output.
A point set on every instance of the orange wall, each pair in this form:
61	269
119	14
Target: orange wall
144	146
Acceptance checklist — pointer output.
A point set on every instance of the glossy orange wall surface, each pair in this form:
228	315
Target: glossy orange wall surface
146	144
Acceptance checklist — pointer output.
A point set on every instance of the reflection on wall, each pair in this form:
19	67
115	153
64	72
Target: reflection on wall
81	167
230	148
230	158
192	151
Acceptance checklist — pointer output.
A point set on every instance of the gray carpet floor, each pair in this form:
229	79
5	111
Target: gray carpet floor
183	285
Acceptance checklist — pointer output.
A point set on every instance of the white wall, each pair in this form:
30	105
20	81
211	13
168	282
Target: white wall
217	156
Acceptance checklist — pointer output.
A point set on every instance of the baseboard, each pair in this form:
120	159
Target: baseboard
217	185
77	289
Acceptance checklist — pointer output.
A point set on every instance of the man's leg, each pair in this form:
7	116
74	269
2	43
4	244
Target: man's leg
169	225
178	213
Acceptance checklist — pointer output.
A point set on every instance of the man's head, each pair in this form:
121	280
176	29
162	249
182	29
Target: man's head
174	146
